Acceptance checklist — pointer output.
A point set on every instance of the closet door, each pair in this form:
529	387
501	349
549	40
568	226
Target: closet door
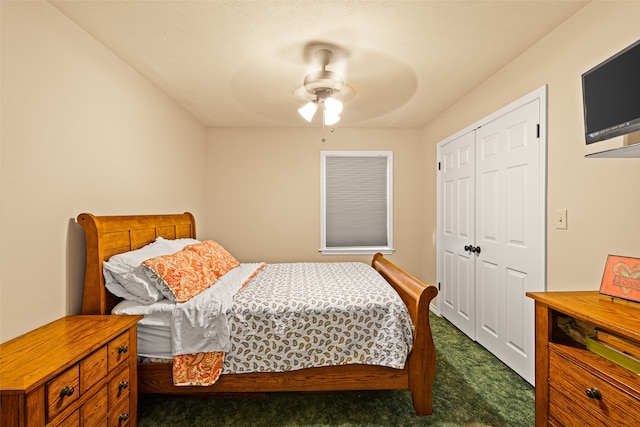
491	239
508	227
457	231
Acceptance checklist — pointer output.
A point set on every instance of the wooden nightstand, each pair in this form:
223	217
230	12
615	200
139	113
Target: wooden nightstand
575	386
76	371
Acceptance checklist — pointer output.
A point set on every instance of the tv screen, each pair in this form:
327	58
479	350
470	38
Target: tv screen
611	96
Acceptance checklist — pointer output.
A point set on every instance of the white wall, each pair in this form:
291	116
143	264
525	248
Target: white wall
81	132
263	191
599	194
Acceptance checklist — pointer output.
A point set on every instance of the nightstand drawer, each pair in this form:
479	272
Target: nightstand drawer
94	412
118	387
613	406
119	351
120	415
71	372
93	369
62	391
72	420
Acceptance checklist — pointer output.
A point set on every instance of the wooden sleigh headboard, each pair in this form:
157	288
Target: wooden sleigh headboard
106	236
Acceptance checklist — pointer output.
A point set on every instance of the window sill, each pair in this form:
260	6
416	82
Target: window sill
356	251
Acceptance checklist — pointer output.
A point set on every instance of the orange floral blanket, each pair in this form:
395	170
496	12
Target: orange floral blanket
197	369
202	369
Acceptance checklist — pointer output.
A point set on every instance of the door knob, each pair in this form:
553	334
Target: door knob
473	249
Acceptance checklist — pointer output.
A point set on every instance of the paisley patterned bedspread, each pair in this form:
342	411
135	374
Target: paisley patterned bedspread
300	315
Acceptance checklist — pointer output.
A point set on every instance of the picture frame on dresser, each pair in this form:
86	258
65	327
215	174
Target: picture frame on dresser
621	278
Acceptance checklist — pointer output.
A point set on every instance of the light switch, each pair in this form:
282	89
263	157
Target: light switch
561	219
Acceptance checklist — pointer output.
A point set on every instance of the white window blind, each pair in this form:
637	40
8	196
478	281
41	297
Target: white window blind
356	202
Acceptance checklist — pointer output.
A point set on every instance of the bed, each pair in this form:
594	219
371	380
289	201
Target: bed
106	236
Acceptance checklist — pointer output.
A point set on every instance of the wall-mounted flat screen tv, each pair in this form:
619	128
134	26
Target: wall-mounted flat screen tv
611	96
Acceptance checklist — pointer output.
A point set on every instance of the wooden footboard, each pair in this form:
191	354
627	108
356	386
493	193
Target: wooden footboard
422	360
109	235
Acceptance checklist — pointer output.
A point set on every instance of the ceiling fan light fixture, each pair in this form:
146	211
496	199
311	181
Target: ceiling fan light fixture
308	110
324	85
330	118
333	106
323	80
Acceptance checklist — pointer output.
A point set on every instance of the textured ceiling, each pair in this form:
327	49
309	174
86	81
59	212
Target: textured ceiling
242	63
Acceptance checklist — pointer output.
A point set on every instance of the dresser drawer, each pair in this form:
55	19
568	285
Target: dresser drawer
564	412
119	351
615	407
119	416
93	369
118	387
62	391
72	420
94	411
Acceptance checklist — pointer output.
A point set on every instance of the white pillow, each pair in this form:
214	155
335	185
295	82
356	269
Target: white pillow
177	244
125	277
116	288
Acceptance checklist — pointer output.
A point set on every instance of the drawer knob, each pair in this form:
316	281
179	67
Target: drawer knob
123	417
123	349
66	391
122	385
594	393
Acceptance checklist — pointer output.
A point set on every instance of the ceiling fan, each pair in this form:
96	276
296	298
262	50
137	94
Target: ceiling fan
325	86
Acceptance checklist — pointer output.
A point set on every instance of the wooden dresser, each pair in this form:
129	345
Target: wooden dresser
76	371
574	386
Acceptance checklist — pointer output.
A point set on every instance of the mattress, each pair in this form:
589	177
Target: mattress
297	315
154	330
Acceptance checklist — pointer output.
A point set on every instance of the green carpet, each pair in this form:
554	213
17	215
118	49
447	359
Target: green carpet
471	388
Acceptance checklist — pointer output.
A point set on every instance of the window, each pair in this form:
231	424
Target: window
356	202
